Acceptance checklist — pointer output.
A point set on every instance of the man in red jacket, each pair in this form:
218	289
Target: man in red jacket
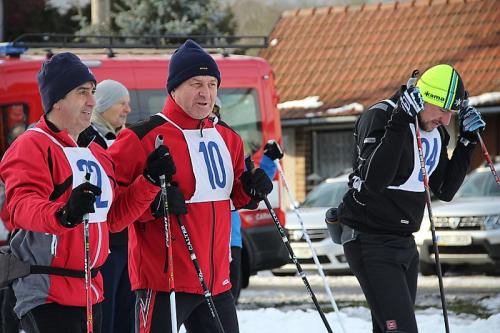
209	160
47	197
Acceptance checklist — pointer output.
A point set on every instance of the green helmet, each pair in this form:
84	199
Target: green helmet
441	85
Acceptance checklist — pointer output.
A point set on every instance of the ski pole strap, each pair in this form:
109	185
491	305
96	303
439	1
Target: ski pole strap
38	269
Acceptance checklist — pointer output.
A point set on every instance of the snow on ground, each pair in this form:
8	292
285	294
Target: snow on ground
280	304
492	304
356	320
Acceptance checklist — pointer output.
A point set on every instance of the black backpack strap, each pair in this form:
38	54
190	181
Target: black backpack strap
38	269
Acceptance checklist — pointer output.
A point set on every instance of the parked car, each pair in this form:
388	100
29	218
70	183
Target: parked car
327	194
467	228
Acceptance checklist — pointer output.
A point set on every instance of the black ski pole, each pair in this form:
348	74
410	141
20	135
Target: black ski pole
206	292
483	146
411	83
284	238
309	243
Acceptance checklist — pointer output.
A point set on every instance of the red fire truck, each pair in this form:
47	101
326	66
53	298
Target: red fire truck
247	93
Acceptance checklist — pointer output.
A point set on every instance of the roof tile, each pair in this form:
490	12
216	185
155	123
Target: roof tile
363	53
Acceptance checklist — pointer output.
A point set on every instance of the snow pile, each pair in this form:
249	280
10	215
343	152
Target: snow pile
486	98
349	107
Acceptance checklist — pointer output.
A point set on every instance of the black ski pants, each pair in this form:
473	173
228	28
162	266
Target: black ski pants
118	307
9	322
53	317
152	312
235	272
386	267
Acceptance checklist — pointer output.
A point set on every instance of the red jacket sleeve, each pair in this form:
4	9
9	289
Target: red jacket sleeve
130	203
129	158
28	183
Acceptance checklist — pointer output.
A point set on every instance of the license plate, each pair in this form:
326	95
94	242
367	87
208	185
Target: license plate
454	240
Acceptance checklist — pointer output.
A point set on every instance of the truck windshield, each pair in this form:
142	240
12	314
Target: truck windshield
240	110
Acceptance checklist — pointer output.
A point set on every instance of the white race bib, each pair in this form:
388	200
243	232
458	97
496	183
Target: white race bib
211	163
81	161
431	146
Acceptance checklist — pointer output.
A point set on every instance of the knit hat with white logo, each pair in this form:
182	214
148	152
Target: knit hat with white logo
190	60
441	85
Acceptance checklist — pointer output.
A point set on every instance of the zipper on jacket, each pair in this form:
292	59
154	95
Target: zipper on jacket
212	269
201	125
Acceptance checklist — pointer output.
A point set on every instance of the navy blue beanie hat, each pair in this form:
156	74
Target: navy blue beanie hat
190	60
59	75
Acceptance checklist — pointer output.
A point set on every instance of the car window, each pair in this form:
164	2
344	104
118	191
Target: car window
479	184
326	195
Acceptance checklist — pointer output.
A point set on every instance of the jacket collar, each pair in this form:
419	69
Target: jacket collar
175	113
60	135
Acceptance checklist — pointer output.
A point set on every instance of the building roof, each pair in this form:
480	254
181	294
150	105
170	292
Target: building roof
360	54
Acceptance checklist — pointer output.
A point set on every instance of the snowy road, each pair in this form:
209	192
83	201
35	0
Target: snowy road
266	290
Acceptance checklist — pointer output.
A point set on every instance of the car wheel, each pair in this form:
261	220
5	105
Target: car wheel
427	269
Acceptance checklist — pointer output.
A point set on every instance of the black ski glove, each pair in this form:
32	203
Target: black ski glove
81	202
256	184
273	150
176	203
159	163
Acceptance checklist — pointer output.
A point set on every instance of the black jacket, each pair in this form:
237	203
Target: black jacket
384	159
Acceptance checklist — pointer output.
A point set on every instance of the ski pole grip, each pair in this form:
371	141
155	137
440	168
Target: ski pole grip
331	216
158	143
85	217
249	164
276	144
413	79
